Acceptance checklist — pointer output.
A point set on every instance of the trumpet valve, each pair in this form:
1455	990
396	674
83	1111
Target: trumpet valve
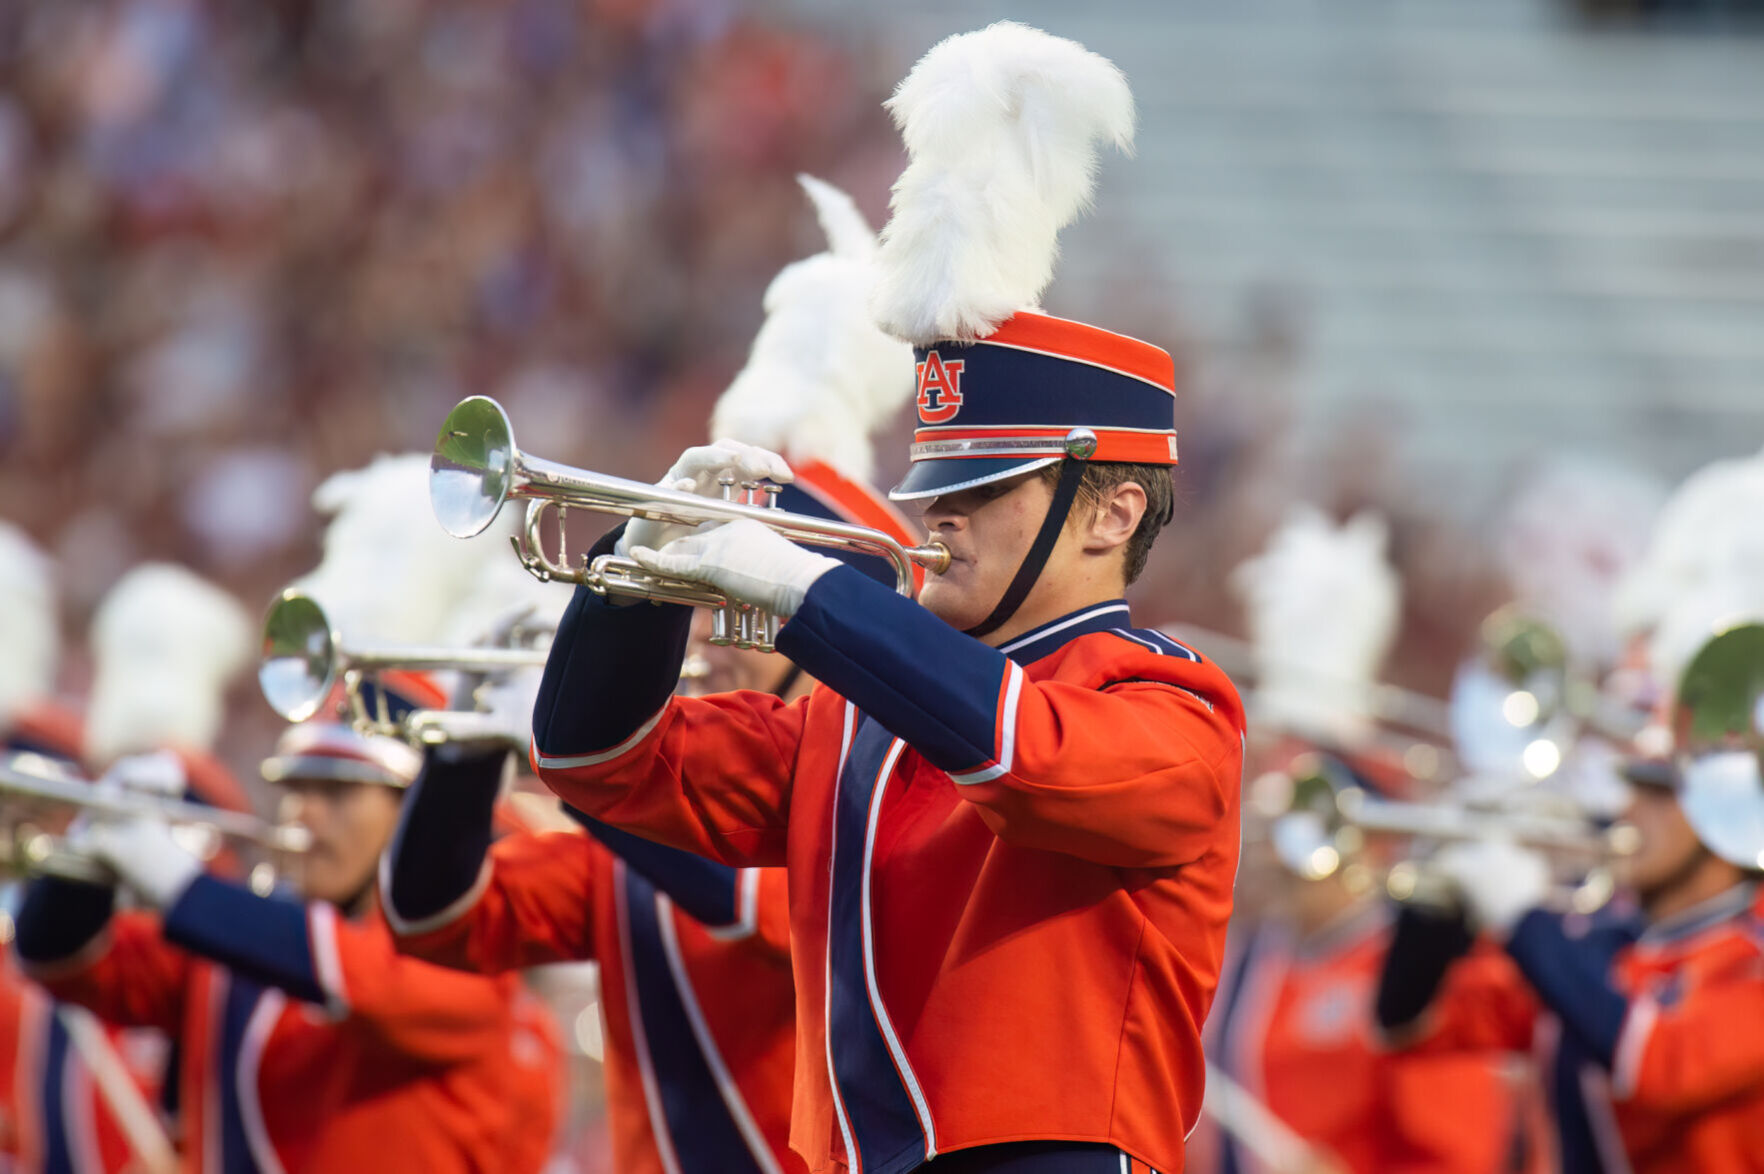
727	482
772	491
720	634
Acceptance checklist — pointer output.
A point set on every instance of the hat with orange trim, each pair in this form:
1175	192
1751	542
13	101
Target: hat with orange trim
1002	128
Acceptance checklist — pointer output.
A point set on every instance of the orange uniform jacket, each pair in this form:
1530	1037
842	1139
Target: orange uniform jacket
384	1064
1294	1026
1667	1024
57	1120
1010	869
699	1018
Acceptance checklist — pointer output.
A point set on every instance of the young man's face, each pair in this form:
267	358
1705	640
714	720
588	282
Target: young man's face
988	530
351	824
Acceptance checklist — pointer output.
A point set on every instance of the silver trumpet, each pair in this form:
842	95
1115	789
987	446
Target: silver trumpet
33	788
1321	821
477	468
304	659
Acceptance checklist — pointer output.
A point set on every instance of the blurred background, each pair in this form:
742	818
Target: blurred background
1411	254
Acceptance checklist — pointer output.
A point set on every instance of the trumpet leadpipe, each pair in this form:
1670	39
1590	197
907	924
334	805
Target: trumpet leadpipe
34	779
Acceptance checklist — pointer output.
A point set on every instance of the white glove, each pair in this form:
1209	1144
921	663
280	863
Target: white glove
746	560
697	471
144	855
1500	881
158	773
140	849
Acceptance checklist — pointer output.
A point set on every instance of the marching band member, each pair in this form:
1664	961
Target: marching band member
1293	1025
1641	1018
307	1043
1009	818
59	1114
694	954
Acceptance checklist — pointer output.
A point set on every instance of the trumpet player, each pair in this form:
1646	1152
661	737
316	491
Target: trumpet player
1009	818
74	1096
1645	1021
306	1042
1293	1025
694	954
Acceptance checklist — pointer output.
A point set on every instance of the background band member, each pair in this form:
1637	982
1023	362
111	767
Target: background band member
306	1043
1294	1023
1653	1070
1008	812
694	954
58	1112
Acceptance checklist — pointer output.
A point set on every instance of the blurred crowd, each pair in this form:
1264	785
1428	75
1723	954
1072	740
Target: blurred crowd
244	245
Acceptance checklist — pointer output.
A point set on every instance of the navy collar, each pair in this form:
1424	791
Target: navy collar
1042	641
1721	907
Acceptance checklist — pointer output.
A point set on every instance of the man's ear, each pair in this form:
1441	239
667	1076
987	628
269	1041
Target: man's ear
1116	518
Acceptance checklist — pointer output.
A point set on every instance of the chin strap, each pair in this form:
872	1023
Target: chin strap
1080	444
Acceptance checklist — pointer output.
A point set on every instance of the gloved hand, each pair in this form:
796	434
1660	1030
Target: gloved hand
746	560
140	849
1500	880
143	853
697	471
158	773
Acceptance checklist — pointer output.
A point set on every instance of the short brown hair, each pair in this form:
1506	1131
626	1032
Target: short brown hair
1102	477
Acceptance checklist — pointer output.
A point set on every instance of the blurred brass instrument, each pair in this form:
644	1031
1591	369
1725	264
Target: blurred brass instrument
1549	702
477	468
1718	735
304	659
38	793
1320	819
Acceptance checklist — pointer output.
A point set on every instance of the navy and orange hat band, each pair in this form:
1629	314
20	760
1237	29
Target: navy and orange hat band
1007	404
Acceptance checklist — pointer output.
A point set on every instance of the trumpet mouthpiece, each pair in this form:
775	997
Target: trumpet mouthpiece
933	556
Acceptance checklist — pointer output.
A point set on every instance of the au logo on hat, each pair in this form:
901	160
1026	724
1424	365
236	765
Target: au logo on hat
940	388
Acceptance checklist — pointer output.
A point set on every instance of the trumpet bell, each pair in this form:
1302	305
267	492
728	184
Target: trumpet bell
472	470
1718	726
298	668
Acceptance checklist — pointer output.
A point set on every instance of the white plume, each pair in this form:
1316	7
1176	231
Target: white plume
1322	606
1002	128
1570	534
390	574
821	377
1711	530
166	643
30	630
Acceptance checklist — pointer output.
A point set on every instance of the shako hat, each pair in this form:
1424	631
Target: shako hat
1001	129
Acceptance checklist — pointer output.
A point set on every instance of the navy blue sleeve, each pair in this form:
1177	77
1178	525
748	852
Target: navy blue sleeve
444	830
927	683
612	667
1573	979
263	938
58	917
704	889
1423	947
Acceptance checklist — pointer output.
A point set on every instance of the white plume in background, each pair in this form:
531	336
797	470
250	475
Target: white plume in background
1711	530
1570	534
1322	606
1002	128
30	630
501	590
166	644
390	574
820	377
